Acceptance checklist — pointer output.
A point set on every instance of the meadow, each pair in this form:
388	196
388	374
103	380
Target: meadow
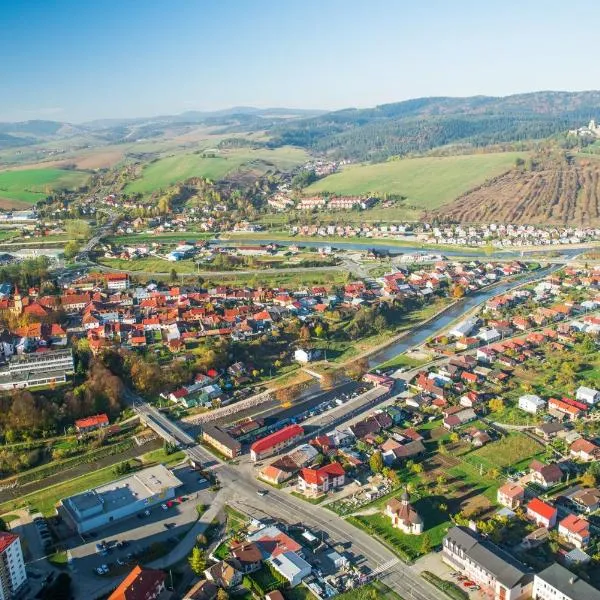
32	185
179	167
427	182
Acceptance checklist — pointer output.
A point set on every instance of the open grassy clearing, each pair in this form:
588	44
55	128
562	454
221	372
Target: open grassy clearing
378	214
161	238
32	185
169	170
426	182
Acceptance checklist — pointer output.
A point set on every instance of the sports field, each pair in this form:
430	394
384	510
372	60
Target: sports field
179	167
426	182
31	185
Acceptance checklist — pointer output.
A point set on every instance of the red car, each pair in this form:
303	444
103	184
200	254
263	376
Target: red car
468	583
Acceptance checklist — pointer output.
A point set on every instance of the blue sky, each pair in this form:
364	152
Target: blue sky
76	60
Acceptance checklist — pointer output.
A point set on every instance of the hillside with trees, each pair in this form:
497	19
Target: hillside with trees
551	188
420	125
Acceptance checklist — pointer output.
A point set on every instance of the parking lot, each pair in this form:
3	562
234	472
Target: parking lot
145	536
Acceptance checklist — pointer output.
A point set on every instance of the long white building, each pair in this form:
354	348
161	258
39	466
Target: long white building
558	583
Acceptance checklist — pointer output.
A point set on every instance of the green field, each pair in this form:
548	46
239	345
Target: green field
426	182
32	185
179	167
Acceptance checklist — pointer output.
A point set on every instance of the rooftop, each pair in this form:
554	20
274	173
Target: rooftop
568	583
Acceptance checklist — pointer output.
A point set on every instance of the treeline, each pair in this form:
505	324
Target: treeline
419	125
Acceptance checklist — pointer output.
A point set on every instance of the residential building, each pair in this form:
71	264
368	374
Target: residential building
589	395
221	440
291	566
531	403
275	595
248	557
91	423
511	495
12	567
315	482
225	574
499	574
203	590
140	584
558	583
119	499
275	442
545	476
575	530
542	513
404	516
306	355
584	450
587	499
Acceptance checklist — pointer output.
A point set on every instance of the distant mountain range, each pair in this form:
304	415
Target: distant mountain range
412	126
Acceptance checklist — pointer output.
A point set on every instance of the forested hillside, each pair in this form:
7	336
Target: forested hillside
416	126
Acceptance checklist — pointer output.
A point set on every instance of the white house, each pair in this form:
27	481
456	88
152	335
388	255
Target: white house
291	566
463	328
558	583
587	395
489	336
531	403
306	356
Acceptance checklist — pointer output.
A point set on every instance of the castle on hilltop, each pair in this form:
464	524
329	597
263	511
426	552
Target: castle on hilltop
592	130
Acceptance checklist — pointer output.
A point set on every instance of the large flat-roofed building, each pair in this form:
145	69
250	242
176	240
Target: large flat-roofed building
12	568
120	499
499	574
38	368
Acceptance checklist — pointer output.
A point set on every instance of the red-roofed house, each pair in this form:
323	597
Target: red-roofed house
275	442
140	584
543	514
91	423
511	495
575	530
545	475
314	482
584	450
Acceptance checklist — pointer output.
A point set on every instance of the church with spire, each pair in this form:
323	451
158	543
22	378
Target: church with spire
403	515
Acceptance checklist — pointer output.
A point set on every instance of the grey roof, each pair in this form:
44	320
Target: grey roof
505	568
568	583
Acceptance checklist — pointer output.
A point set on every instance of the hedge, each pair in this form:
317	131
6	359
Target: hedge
450	589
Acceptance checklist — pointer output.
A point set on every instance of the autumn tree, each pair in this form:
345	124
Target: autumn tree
197	560
588	479
425	547
376	462
496	405
222	594
458	291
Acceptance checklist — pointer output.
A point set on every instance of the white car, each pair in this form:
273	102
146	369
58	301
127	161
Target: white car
164	507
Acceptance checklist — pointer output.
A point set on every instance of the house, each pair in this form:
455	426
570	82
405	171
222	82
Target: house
315	482
575	530
584	450
306	355
140	584
531	403
203	590
275	595
457	415
403	515
511	495
275	442
248	557
545	475
558	583
543	514
225	574
547	431
273	542
587	499
91	423
564	409
499	574
588	395
291	566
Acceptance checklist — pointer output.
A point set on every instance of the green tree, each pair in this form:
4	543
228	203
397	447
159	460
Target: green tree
376	462
71	249
197	560
425	544
173	275
78	229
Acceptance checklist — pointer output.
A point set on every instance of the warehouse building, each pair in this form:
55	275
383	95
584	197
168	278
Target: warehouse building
120	499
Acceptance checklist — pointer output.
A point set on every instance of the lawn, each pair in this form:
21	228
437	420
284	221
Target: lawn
408	546
514	450
161	238
372	590
32	185
179	167
426	182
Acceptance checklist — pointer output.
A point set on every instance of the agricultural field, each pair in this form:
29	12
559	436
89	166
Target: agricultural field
179	167
558	190
27	186
515	450
426	183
